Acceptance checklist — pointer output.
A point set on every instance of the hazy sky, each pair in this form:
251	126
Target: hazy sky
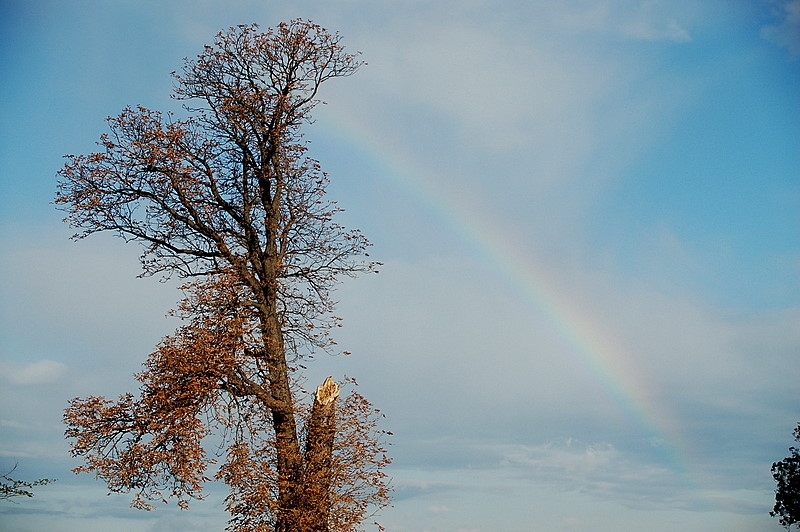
589	215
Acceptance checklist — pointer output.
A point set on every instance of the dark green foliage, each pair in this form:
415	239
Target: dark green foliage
787	494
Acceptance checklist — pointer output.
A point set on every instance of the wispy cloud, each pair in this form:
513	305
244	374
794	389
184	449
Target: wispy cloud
786	31
39	372
601	470
7	423
652	20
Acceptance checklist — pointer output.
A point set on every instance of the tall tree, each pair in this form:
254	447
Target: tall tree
229	199
787	494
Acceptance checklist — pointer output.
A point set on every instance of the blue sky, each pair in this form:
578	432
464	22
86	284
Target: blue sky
589	215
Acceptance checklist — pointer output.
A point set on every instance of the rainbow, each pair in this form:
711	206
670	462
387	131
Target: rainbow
581	333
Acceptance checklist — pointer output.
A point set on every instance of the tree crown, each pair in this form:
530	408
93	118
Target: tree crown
228	198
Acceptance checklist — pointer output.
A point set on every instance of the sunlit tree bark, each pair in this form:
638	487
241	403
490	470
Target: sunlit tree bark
229	199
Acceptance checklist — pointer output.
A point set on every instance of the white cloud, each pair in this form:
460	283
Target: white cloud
493	87
641	29
569	487
80	504
527	89
698	374
599	469
786	33
99	316
651	20
15	454
513	118
40	372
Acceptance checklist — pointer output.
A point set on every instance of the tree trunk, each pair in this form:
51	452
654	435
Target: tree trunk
321	431
287	445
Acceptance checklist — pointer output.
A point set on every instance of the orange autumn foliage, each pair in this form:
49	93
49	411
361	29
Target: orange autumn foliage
228	198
